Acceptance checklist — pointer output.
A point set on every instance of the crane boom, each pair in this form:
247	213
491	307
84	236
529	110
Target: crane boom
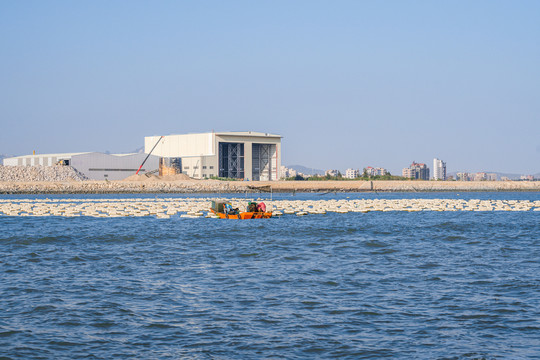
147	156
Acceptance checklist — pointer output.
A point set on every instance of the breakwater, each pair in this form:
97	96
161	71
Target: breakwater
55	173
214	186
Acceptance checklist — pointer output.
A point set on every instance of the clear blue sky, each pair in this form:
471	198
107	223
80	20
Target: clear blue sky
347	83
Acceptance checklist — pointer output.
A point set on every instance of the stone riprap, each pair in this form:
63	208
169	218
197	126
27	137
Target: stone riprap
156	185
39	173
199	207
122	187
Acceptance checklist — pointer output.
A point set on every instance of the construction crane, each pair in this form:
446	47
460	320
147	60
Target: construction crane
147	156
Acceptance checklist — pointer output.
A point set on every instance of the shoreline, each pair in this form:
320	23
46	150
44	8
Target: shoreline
215	186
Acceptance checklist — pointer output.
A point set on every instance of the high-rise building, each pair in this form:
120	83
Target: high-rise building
418	171
439	169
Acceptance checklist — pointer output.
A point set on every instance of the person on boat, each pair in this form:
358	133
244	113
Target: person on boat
227	208
261	207
252	207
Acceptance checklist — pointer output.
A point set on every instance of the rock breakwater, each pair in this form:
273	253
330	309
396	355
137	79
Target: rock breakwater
215	186
39	173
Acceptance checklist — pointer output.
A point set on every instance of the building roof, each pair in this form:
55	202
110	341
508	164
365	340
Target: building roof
62	155
233	133
248	133
65	155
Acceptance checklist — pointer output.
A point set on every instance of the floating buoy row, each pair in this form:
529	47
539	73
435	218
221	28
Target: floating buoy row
198	207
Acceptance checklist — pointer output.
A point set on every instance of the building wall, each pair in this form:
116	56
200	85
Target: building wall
38	160
99	166
248	140
200	152
200	166
407	173
187	145
11	162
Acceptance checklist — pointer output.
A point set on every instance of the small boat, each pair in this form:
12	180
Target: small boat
224	210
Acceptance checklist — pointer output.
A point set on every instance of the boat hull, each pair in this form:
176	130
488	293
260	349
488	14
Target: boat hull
244	215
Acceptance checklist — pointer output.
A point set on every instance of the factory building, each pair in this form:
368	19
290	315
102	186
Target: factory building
241	155
93	165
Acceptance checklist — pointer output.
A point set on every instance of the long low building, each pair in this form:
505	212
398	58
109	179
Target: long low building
93	165
240	155
41	160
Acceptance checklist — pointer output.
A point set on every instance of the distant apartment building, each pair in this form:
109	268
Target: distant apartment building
283	172
352	173
287	172
407	173
527	177
439	169
480	176
332	173
418	171
371	171
483	176
462	176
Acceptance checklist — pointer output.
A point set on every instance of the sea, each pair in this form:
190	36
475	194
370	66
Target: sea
397	285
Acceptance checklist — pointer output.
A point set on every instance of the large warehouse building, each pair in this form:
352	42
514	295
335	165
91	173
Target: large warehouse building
241	155
93	165
246	155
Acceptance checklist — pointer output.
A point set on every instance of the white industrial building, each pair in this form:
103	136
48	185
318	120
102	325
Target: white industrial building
241	155
93	165
41	160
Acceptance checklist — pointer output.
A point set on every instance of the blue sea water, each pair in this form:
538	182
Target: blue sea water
427	285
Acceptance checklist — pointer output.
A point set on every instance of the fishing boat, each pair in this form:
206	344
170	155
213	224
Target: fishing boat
224	210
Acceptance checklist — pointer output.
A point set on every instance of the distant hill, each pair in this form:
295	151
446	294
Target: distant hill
3	156
139	150
136	151
306	170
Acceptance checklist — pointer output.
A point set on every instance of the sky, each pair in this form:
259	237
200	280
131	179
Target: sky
348	84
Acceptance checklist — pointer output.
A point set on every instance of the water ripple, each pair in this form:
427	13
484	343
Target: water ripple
386	285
